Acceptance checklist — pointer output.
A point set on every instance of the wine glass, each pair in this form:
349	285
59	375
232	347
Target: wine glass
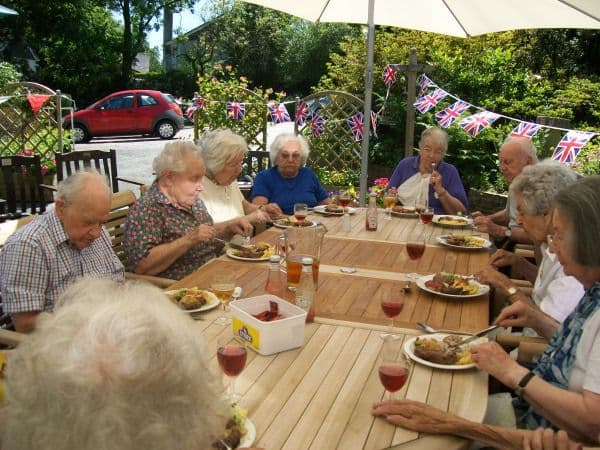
426	215
344	199
392	307
300	211
389	200
231	355
415	247
223	285
395	366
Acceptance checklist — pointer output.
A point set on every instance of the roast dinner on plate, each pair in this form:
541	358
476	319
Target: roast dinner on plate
261	250
451	283
440	351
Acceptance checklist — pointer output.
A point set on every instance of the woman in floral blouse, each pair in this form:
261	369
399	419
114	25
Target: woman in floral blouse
169	232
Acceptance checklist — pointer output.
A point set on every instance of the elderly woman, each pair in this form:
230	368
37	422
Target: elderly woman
223	153
122	369
288	181
555	293
563	390
168	231
427	178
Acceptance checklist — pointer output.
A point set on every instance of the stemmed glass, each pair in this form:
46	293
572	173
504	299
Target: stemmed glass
300	211
392	307
231	355
395	366
389	200
223	285
344	199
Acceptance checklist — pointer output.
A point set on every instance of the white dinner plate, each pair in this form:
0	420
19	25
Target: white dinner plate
409	348
321	210
248	439
483	288
280	223
231	254
212	301
410	215
484	244
438	220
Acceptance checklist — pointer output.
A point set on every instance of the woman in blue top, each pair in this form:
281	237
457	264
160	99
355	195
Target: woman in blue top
288	181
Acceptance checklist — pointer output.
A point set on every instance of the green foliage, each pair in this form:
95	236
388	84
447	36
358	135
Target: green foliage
338	178
8	74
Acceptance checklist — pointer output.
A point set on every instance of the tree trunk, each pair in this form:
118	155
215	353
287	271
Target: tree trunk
127	46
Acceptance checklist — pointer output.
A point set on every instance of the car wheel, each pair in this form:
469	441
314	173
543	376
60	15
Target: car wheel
165	129
80	133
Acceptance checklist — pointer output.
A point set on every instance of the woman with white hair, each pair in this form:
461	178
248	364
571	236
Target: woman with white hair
554	293
115	367
289	181
426	178
223	153
168	231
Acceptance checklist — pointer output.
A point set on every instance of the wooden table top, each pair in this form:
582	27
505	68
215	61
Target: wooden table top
319	396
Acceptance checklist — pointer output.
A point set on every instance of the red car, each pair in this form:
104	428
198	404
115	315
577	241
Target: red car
128	112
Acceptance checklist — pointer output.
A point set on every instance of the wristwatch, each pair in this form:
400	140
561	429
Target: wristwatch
512	291
508	232
520	388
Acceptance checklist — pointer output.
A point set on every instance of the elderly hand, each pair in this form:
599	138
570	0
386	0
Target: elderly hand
548	439
273	210
241	226
486	225
415	416
520	314
502	258
436	181
489	275
492	358
202	233
258	216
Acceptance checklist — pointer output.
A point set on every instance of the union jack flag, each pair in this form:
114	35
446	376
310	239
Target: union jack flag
569	146
197	104
356	125
389	76
317	125
424	83
302	113
279	113
374	122
428	101
476	123
446	117
525	129
235	110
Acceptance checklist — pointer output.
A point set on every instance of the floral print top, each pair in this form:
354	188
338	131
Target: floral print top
155	220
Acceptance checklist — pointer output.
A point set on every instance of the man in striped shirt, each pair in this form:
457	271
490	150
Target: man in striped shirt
54	250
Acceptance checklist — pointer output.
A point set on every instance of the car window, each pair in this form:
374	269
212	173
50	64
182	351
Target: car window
120	102
168	98
146	100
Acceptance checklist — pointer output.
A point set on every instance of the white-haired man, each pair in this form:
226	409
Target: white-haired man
40	260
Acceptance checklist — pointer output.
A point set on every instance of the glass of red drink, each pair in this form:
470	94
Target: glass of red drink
300	211
394	368
415	248
392	307
426	216
231	355
344	199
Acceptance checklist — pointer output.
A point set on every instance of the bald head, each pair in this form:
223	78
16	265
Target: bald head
516	153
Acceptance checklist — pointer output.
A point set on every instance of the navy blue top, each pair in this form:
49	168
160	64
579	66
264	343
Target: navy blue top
304	188
409	166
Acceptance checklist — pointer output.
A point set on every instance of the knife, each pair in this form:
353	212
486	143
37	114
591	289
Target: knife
231	244
475	336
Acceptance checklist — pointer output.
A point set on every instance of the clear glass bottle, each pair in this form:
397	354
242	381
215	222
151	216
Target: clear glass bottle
305	293
371	216
275	284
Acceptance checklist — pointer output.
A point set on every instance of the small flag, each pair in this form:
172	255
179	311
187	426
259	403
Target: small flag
389	76
317	125
476	123
356	125
197	105
302	114
424	83
448	116
525	129
569	146
279	113
235	111
428	101
36	101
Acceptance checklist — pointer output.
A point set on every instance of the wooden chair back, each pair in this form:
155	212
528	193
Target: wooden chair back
21	184
104	162
115	225
255	161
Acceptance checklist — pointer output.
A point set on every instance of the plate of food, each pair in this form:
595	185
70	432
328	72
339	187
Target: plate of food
254	252
452	221
240	432
452	285
194	299
333	209
464	241
434	350
292	222
405	211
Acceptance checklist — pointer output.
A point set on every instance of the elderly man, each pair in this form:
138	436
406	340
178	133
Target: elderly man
515	153
40	260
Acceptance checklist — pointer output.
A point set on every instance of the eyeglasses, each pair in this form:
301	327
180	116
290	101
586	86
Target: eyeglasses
292	156
431	151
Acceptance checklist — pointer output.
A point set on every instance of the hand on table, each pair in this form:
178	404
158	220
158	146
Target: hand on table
548	439
415	416
502	258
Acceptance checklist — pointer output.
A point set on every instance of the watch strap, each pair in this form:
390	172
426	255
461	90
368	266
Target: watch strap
524	381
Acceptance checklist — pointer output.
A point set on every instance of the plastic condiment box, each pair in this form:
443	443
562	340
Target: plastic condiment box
268	337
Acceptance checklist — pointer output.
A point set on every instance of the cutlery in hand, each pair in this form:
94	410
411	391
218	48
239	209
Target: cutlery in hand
231	244
475	336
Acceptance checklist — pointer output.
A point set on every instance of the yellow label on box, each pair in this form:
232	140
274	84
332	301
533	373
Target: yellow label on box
246	332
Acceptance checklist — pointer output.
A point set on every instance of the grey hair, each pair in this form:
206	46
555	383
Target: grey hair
281	141
116	366
526	145
220	147
69	189
435	134
579	206
539	183
171	158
